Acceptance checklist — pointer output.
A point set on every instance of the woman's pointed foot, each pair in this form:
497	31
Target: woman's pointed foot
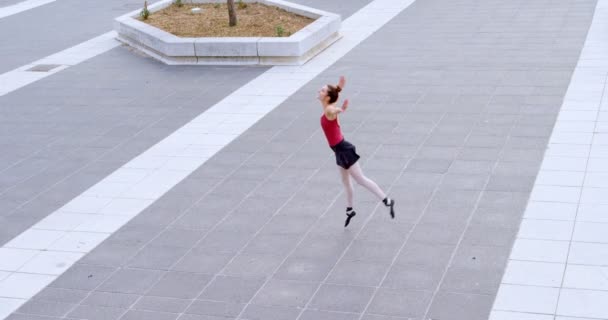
391	204
349	215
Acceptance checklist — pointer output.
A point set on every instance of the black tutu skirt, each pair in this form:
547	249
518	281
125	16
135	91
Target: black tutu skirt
346	154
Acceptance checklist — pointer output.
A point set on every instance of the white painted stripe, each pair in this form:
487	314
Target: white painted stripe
87	220
22	6
557	214
20	77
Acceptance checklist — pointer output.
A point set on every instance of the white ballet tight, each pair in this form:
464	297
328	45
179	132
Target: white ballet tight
356	173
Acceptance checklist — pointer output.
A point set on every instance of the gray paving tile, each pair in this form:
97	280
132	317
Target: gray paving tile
521	154
170	305
446	214
288	225
381	317
235	187
425	254
96	313
489	236
386	231
460	306
194	187
110	299
400	303
61	295
412	196
232	289
258	205
519	169
45	308
110	255
181	285
157	257
474	153
285	293
358	273
253	265
203	261
255	312
479	280
510	183
272	244
178	237
442	153
319	247
428	165
496	217
305	269
455	197
419	179
437	234
327	315
276	189
464	181
16	316
215	308
371	250
221	241
199	317
145	315
341	298
477	257
255	172
413	277
132	281
82	277
471	167
135	236
503	199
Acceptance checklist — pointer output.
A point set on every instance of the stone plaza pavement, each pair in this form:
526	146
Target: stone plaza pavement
483	119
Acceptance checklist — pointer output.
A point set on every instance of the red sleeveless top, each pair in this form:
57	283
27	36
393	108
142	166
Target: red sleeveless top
332	131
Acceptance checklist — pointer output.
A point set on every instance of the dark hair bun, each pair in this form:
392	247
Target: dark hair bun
338	89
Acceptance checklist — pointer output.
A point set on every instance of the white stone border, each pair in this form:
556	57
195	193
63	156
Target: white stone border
293	50
557	267
22	6
32	260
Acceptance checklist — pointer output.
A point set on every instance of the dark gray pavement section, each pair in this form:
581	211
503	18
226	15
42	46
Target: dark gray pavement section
61	135
452	106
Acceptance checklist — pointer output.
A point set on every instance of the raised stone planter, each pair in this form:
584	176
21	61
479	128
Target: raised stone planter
293	50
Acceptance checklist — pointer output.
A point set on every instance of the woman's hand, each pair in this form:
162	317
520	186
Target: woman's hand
342	82
344	105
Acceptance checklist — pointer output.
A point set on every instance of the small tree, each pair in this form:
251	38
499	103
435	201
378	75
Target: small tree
145	13
231	13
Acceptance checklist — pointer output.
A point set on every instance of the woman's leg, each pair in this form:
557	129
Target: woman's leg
357	174
348	186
